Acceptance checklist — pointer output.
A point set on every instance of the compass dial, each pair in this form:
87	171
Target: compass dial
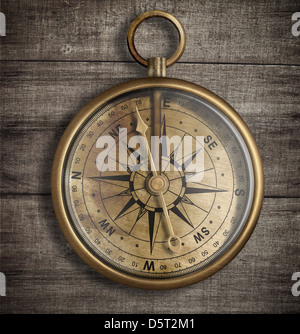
111	194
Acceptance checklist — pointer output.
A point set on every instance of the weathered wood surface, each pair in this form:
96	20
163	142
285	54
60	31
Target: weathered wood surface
40	98
45	275
57	55
232	31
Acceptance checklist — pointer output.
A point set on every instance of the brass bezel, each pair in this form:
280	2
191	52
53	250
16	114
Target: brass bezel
58	169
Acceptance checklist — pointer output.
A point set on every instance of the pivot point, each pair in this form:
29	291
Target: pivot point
157	183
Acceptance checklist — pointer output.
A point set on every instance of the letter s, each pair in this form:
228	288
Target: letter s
296	286
295	17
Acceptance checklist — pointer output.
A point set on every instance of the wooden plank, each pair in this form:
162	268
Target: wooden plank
217	31
44	275
39	100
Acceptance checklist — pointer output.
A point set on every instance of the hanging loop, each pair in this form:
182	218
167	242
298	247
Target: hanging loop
145	16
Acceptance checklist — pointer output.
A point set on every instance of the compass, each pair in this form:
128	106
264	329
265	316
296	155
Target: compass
157	183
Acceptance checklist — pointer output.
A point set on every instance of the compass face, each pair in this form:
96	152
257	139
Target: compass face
205	175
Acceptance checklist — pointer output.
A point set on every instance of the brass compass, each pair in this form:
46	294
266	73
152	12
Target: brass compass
157	183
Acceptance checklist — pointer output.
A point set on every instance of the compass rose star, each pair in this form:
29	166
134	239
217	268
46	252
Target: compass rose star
179	200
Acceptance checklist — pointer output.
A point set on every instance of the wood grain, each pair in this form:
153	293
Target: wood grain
217	31
45	275
52	93
59	54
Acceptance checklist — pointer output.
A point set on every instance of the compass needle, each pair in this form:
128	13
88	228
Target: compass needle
141	127
156	183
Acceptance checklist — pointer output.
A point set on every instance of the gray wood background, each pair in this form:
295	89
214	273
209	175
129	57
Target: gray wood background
57	55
